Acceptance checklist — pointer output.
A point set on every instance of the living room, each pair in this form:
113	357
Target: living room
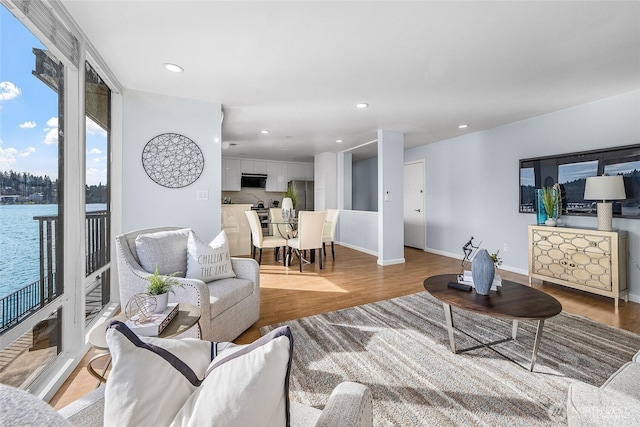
471	176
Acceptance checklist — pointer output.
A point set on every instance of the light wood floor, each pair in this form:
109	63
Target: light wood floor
354	278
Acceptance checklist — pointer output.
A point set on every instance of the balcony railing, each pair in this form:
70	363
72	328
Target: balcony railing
19	305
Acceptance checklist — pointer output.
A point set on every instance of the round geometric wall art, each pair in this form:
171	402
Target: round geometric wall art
172	160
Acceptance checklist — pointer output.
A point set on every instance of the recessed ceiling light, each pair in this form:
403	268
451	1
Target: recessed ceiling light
225	145
172	67
264	131
339	141
463	126
362	105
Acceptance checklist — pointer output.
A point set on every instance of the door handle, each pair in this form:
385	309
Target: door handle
417	210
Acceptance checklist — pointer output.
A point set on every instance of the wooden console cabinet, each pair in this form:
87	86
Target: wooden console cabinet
591	260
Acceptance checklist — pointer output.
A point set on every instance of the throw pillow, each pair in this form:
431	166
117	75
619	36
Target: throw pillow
151	377
244	387
209	262
165	249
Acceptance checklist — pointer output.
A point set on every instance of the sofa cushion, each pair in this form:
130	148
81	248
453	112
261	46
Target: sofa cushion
165	249
155	381
226	293
21	408
626	380
151	377
211	261
248	387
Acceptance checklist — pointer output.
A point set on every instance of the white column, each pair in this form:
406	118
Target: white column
390	192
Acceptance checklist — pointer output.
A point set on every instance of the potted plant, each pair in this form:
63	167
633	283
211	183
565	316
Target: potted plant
159	286
550	197
291	194
289	203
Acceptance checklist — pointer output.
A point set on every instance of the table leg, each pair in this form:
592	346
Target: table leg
514	330
536	344
93	372
448	317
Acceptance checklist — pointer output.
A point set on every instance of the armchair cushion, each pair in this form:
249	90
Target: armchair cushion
226	293
165	249
209	262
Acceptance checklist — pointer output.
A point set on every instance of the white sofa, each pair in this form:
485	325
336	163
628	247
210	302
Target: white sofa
350	404
615	403
229	306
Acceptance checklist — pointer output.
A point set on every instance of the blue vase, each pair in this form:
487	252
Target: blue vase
540	210
482	271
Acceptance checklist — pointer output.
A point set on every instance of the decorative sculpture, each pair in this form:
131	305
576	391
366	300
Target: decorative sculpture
172	160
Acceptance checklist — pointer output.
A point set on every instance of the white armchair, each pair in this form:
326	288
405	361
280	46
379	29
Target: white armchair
229	306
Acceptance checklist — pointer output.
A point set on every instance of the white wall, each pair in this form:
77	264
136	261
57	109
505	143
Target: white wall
364	178
472	181
147	204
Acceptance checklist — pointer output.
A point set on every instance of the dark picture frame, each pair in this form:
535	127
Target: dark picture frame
571	171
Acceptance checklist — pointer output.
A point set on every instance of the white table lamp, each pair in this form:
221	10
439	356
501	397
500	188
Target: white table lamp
604	189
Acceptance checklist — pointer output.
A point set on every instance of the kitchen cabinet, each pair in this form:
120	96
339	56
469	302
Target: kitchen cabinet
231	174
253	166
590	260
276	176
294	171
259	166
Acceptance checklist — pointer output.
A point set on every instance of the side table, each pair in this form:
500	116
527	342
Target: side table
188	316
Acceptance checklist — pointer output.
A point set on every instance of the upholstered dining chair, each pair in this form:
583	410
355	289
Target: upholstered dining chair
329	231
309	237
275	215
258	240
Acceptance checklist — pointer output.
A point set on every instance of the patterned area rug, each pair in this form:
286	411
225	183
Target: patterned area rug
400	349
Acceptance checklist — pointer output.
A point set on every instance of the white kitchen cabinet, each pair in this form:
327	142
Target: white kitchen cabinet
307	171
232	174
259	166
294	171
276	176
246	166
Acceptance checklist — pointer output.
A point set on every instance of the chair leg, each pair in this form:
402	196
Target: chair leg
319	257
324	249
300	259
333	253
276	252
260	257
253	252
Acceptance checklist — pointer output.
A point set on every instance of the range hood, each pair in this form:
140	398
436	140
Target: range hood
253	180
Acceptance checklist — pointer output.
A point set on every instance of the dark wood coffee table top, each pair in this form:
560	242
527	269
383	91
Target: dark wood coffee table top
512	301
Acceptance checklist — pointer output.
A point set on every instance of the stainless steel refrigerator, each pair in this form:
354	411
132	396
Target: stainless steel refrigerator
304	195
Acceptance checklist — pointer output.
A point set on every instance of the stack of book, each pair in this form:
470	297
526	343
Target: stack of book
157	323
467	279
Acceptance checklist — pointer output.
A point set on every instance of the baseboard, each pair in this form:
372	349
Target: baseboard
458	256
357	248
391	262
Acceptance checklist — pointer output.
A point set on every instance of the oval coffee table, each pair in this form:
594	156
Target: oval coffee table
512	301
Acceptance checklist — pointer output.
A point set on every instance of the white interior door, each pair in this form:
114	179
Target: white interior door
414	218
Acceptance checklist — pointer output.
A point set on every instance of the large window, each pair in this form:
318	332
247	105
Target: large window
31	237
97	206
571	172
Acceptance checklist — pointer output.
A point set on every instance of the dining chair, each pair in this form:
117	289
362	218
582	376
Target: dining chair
275	215
258	240
329	231
309	237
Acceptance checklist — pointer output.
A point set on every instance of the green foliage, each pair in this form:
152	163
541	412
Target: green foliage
291	193
550	200
496	259
162	284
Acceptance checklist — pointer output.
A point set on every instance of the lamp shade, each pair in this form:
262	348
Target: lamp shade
605	188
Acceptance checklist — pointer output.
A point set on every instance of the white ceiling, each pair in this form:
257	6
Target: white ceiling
298	68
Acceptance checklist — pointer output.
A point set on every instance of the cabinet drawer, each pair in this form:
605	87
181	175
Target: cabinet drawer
583	259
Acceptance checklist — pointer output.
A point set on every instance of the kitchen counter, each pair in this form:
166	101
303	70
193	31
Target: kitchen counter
236	225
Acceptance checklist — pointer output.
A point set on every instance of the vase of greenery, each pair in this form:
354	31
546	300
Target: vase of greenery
289	206
159	286
550	201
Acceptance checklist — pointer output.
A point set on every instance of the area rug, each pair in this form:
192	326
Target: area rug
400	349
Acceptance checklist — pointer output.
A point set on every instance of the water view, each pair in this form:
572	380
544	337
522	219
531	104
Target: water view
19	243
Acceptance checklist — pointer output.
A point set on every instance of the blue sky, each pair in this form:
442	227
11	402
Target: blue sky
29	111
